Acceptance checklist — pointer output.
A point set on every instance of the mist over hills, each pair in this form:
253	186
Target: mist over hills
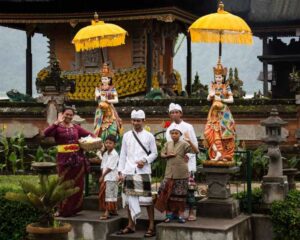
204	57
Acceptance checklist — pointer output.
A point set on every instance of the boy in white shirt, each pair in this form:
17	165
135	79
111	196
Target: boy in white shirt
108	190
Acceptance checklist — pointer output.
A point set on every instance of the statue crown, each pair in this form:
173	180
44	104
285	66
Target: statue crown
219	69
105	71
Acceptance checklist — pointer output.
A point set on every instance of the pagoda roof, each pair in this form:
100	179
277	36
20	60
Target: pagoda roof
265	17
58	11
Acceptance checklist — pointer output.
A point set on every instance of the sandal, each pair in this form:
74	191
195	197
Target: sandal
104	217
169	217
181	220
192	218
113	214
149	233
126	230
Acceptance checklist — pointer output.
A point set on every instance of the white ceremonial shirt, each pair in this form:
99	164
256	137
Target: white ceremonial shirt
186	127
110	161
131	152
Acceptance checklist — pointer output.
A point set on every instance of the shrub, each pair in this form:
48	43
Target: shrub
286	217
14	216
256	200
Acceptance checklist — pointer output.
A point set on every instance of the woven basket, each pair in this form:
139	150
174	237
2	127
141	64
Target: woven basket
89	146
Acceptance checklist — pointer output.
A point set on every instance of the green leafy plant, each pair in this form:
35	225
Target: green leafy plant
5	149
41	155
260	162
20	145
285	217
44	196
14	161
14	216
13	150
256	199
159	165
293	162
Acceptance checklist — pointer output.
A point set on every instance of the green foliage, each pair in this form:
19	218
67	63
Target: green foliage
286	217
260	162
159	165
14	216
5	149
14	160
236	84
20	145
44	196
13	150
198	89
48	155
293	162
256	199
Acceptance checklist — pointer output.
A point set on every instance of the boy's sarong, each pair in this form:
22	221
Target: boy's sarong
172	195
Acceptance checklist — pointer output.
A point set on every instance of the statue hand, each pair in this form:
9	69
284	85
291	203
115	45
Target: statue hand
217	98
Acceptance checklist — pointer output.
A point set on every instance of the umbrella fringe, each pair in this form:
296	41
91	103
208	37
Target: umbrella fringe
214	37
99	42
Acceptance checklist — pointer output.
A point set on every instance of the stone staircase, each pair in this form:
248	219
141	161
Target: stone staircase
87	226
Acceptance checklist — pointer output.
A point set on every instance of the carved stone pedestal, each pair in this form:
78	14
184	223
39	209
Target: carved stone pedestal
219	203
274	188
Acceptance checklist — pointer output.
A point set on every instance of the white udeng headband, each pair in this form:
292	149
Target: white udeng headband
139	114
174	107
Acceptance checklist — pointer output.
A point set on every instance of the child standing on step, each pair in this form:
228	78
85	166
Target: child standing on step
108	182
173	189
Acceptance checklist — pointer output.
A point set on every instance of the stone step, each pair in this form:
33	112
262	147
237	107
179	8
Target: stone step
207	229
88	226
138	235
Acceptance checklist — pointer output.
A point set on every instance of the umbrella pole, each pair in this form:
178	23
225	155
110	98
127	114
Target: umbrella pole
102	55
220	45
220	49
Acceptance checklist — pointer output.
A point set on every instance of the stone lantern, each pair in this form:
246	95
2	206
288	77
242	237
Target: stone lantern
274	185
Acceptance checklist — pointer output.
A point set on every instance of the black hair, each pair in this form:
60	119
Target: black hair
72	108
111	138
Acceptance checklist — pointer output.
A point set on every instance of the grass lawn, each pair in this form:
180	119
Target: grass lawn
11	182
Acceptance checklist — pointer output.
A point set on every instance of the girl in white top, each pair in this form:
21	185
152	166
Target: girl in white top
108	191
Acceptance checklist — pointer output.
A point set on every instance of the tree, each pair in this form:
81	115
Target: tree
198	89
236	83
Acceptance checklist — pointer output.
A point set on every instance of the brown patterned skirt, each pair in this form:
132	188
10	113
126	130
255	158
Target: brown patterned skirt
172	195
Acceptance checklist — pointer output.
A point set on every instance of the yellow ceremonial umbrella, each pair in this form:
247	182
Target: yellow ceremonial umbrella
99	35
221	27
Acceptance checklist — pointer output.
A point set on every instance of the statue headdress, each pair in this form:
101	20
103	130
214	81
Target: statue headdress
219	69
106	71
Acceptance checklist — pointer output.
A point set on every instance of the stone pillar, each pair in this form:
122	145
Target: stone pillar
189	65
274	184
54	103
28	65
219	202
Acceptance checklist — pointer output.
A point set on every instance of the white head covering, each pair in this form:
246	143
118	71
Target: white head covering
139	114
174	107
176	127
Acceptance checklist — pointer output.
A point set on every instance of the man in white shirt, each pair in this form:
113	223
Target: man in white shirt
175	112
135	170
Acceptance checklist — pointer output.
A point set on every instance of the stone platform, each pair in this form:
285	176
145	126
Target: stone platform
207	229
87	226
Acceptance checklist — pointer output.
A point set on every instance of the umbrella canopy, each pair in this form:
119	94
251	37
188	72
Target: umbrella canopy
99	35
221	27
